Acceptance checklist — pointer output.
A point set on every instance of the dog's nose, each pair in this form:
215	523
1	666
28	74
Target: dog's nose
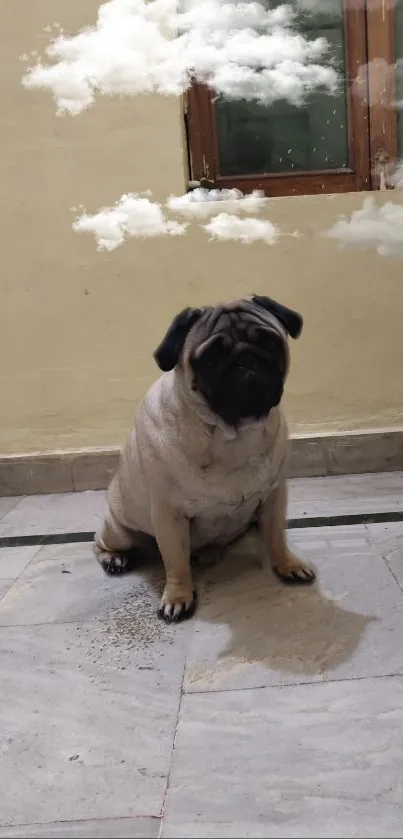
246	374
247	363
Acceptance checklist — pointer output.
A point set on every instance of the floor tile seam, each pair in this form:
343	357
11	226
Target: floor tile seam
3	581
282	686
287	798
181	695
70	822
14	507
384	556
391	571
23	570
90	622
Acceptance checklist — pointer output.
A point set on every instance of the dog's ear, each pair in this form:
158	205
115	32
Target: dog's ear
292	321
167	353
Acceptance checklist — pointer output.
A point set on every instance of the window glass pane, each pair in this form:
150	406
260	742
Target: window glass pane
399	75
282	138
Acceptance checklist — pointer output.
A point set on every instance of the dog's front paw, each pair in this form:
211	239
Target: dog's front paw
113	563
176	604
293	570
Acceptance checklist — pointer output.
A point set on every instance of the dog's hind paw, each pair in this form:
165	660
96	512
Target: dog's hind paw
113	563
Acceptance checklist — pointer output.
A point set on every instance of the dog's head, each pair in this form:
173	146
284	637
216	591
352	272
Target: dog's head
235	355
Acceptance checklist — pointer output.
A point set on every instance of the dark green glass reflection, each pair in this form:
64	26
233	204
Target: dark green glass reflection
281	137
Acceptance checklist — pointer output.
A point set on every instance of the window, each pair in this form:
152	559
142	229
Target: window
331	144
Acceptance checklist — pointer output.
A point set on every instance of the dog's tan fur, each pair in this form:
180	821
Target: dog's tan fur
191	481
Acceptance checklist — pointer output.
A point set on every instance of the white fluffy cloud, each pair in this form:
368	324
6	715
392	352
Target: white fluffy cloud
138	216
372	227
395	179
246	230
239	48
202	203
132	216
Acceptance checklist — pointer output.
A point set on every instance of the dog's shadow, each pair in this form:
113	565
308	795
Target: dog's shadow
247	619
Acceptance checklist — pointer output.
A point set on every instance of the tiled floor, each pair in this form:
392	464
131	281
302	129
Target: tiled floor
276	712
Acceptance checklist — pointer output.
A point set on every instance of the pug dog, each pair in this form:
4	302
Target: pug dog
207	456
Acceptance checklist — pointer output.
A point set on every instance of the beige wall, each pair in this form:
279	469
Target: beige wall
78	327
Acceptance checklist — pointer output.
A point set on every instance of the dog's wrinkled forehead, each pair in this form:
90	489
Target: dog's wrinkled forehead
238	321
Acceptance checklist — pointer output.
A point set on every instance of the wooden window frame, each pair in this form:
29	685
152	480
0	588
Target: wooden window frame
382	114
372	123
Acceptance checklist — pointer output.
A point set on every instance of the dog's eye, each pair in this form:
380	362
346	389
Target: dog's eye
211	358
267	341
